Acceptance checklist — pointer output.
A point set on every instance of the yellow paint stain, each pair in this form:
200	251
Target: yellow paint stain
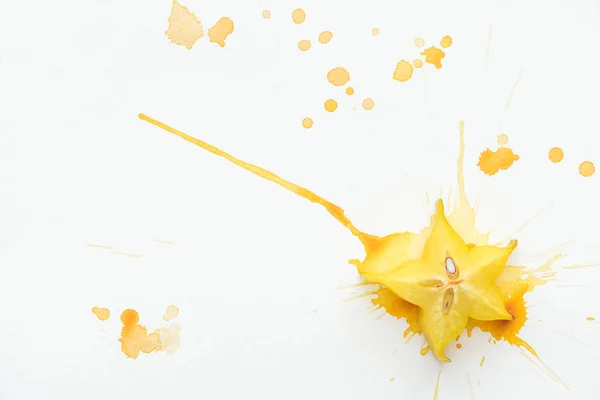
587	169
307	123
490	162
338	76
424	350
590	318
266	14
135	338
184	28
556	154
101	313
458	345
330	105
349	91
392	379
437	386
470	387
368	104
219	32
482	361
100	246
417	63
325	37
170	313
446	42
502	139
434	56
403	71
419	42
298	16
304	45
375	31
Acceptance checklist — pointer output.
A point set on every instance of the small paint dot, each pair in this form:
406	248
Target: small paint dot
101	313
307	123
338	76
458	345
556	154
591	318
325	37
266	14
587	168
403	71
331	105
502	139
375	31
304	45
349	91
417	63
392	379
368	104
424	350
172	312
419	42
446	42
298	16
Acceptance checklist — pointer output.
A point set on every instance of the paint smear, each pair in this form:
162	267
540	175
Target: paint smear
304	45
375	31
266	14
403	71
170	313
446	42
184	28
590	318
219	32
490	162
298	16
307	123
325	37
502	139
331	105
556	154
338	76
434	56
368	104
135	338
482	361
419	42
349	91
417	63
587	168
101	313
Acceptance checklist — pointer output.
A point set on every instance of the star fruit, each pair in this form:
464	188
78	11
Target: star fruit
450	283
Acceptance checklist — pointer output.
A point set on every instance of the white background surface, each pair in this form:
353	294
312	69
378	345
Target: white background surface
251	261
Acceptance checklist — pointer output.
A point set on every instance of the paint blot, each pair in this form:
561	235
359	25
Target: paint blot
375	31
417	63
502	139
556	154
338	76
482	361
101	313
419	42
331	105
304	45
135	338
219	32
266	14
307	123
591	318
184	28
403	71
368	104
458	345
446	42
434	56
325	37
490	162
171	313
298	16
424	350
587	168
349	91
392	379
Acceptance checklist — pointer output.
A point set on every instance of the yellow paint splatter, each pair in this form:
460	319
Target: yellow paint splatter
419	42
101	313
587	169
403	71
172	312
184	28
266	14
482	361
219	32
325	37
502	139
304	45
331	105
424	350
135	338
446	42
556	154
490	162
375	31
458	345
434	56
338	76
349	91
307	123
591	318
417	63
298	16
368	104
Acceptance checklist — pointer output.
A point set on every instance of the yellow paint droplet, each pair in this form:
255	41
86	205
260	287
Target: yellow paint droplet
482	361
458	345
368	104
419	42
417	63
308	122
325	37
375	31
298	16
184	28
434	56
349	91
266	14
556	154
591	318
446	42
219	32
490	162
331	105
171	313
304	45
101	313
338	76
392	379
502	139
403	71
424	350
587	168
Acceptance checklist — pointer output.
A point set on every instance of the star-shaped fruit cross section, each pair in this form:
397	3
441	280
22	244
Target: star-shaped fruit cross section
452	282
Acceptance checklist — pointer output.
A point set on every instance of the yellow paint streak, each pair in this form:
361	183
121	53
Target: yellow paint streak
556	154
338	76
330	105
163	241
502	139
590	318
490	162
403	71
307	123
298	16
446	42
434	56
100	246
219	32
325	37
514	88
437	386
184	28
135	338
470	387
101	313
419	42
482	361
368	104
487	52
266	14
587	169
170	313
304	45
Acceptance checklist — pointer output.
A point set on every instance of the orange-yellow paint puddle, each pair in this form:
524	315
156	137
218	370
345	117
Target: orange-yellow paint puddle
587	168
266	14
330	105
304	45
368	104
490	162
101	313
325	37
417	63
184	28
375	31
307	123
135	338
556	154
349	91
219	32
446	42
403	71
502	139
172	312
434	56
338	76
298	16
419	42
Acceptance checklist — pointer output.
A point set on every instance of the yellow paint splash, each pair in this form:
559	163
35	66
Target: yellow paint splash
349	91
419	42
417	63
424	350
403	71
338	76
307	123
266	14
325	37
184	28
434	56
331	105
446	42
172	312
556	154
502	139
135	338
219	32
375	31
101	313
587	169
304	45
368	104
490	162
298	16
